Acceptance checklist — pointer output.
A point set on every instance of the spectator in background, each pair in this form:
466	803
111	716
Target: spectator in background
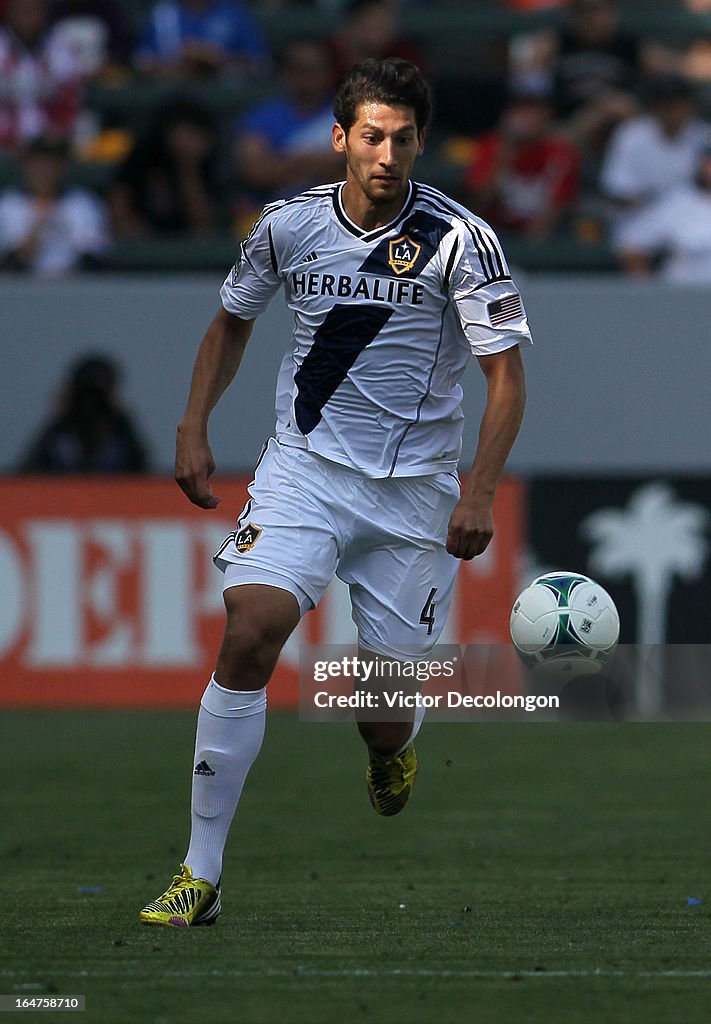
675	229
39	76
370	29
693	58
168	183
284	145
45	228
90	432
527	6
199	38
591	65
523	178
98	31
650	154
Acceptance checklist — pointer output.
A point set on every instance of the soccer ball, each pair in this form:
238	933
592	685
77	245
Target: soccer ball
565	624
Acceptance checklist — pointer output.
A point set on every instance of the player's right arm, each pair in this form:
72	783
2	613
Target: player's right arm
245	294
217	362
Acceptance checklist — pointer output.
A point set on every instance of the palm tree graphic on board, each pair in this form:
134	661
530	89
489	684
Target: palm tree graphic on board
655	538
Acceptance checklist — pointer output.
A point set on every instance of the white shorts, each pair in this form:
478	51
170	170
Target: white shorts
309	519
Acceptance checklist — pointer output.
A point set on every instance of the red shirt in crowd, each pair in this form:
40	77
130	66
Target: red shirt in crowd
40	89
539	175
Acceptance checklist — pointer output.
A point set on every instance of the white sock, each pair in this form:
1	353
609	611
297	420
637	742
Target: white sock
419	718
230	730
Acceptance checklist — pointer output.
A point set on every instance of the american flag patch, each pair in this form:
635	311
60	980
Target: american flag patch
507	308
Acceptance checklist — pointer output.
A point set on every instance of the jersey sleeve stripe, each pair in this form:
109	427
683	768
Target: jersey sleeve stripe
492	262
450	264
272	251
485	284
490	242
486	252
485	259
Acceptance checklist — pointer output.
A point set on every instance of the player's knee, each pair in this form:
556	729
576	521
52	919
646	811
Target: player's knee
251	645
246	646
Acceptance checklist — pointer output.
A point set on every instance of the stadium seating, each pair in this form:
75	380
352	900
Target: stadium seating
457	37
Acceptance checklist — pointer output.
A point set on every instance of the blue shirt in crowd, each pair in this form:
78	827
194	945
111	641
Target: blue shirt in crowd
226	25
287	129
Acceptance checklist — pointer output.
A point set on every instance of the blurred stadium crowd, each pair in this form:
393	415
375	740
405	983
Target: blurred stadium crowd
147	134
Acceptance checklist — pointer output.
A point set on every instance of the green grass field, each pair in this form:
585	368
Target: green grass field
541	873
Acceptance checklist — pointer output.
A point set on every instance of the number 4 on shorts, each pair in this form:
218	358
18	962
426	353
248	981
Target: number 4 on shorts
427	615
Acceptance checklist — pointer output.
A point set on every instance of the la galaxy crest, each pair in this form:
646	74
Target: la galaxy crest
247	537
402	254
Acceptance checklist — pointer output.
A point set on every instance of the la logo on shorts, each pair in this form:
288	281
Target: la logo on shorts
247	537
403	253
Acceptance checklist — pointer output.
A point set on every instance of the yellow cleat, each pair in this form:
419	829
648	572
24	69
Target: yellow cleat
390	783
187	902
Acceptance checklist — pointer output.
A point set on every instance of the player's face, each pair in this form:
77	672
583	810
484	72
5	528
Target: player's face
380	151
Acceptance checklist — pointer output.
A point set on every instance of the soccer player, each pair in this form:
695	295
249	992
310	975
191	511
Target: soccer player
392	286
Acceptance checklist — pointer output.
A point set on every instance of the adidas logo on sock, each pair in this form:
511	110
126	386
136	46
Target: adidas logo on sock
203	769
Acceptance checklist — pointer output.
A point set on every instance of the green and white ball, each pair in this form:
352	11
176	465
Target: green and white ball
564	623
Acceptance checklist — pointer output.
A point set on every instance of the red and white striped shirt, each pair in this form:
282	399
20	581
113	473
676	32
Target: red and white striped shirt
40	89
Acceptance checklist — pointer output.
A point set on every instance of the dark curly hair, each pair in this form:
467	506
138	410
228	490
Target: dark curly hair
392	81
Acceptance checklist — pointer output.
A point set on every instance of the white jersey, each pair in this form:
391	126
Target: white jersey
384	324
642	163
75	227
679	224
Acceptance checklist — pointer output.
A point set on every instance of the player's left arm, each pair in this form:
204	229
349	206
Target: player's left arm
471	524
